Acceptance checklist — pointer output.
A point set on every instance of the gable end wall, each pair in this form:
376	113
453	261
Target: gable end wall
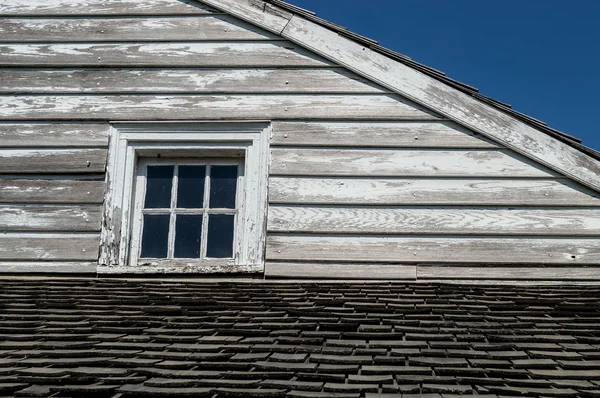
363	183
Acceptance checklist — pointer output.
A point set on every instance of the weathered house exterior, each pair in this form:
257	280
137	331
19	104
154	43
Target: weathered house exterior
352	161
145	139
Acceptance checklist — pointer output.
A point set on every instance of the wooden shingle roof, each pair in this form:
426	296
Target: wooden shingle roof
119	339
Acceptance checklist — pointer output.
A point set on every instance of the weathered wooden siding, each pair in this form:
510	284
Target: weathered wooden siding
363	182
77	8
51	193
206	81
427	197
69	67
152	29
431	249
207	107
431	191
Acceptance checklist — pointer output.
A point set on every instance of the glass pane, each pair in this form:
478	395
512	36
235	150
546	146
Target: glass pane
190	188
159	180
219	242
188	229
223	183
155	236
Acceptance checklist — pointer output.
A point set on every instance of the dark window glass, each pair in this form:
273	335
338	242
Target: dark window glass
219	242
190	188
155	236
188	229
158	187
223	183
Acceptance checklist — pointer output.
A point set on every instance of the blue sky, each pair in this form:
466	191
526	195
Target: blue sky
540	56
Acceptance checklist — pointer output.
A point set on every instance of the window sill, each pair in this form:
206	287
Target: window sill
183	267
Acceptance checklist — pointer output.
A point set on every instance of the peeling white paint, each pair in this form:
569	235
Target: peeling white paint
103	7
435	249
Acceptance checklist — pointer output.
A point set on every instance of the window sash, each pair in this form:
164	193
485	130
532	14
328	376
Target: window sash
172	211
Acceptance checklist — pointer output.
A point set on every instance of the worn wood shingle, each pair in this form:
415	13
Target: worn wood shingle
449	339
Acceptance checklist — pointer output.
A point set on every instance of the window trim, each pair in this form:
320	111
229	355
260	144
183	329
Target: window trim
131	141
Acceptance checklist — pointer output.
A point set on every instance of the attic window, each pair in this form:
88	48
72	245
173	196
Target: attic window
188	209
185	198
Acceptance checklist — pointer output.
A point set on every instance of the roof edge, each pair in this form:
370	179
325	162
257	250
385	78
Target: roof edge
495	121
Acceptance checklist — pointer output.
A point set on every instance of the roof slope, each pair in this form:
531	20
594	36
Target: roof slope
115	338
423	85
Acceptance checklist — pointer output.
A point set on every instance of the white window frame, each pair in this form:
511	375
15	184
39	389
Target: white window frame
131	141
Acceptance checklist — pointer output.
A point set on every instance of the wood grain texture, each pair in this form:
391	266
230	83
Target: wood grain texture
448	101
340	271
259	13
231	81
381	134
181	267
401	163
212	107
52	161
440	221
51	191
49	247
50	218
100	7
54	267
48	135
432	249
374	191
196	28
512	273
191	54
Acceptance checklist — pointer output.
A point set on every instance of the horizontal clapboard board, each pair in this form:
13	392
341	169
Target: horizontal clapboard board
427	220
528	273
377	134
196	107
52	161
100	7
340	271
431	249
49	247
430	191
408	162
51	190
192	54
231	81
54	267
48	135
50	218
209	27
